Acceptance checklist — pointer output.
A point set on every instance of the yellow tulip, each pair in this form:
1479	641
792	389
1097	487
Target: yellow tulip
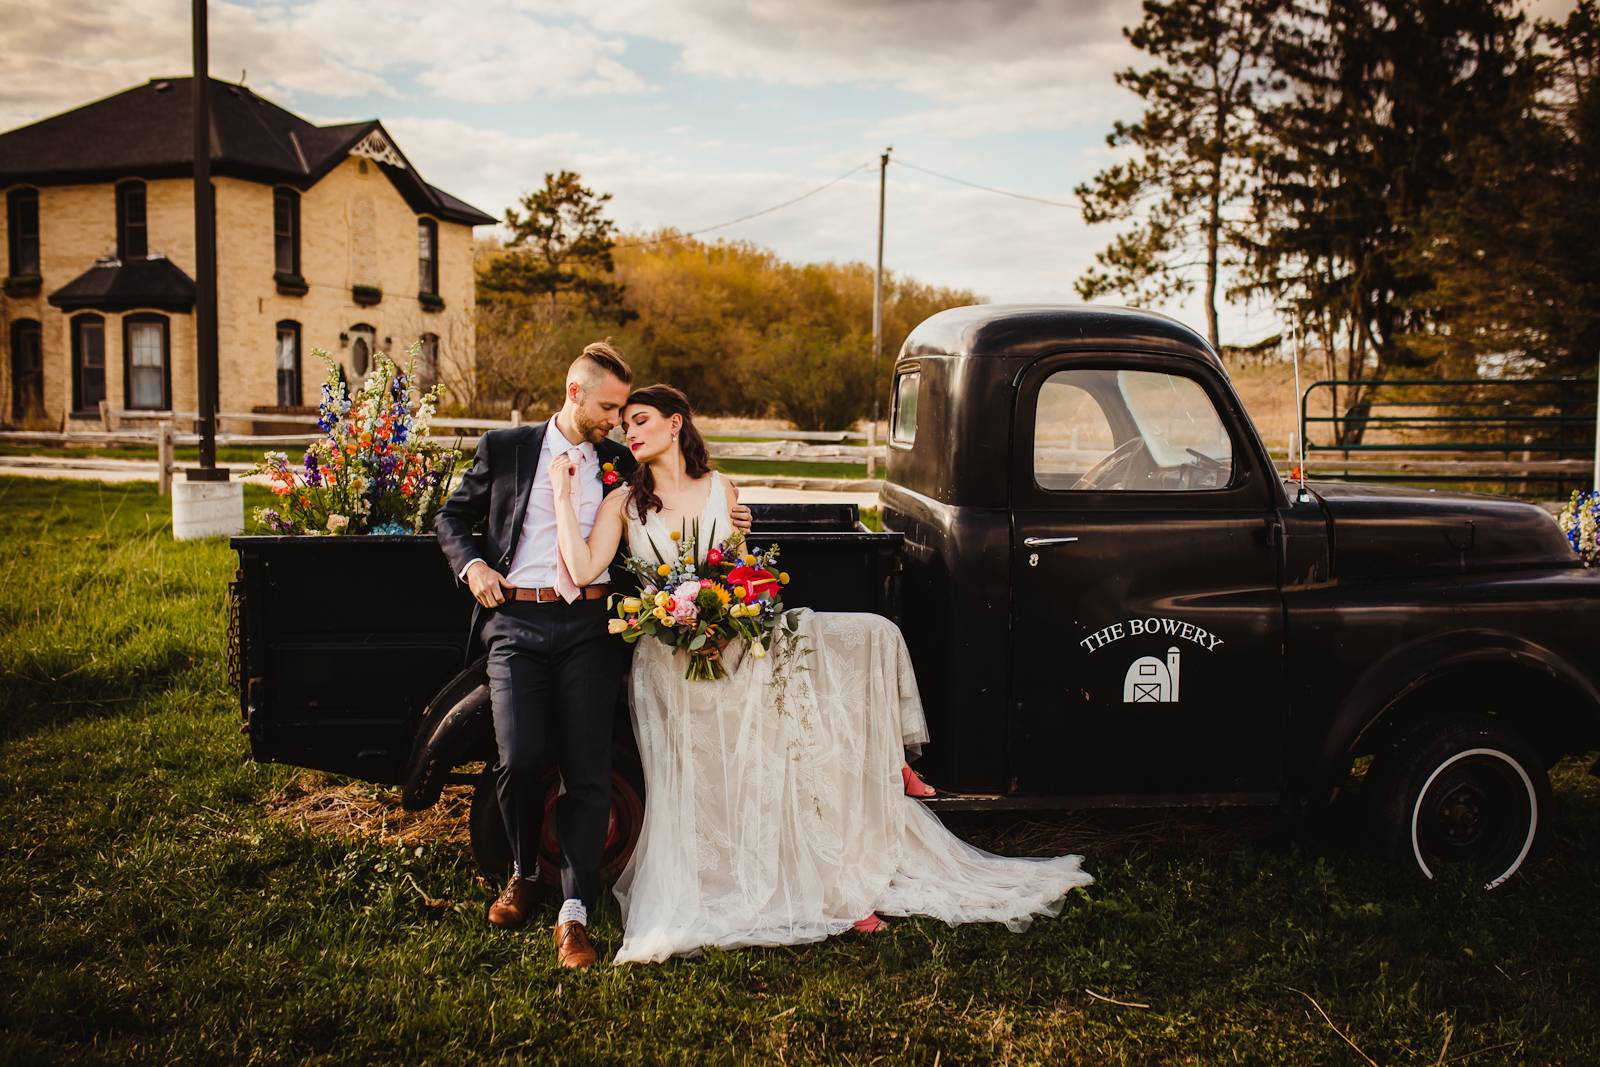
632	605
758	652
661	599
616	626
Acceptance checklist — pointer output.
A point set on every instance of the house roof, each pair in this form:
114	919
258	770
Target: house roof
146	132
121	285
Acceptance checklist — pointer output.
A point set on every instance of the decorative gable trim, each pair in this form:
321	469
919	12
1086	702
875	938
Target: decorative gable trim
377	147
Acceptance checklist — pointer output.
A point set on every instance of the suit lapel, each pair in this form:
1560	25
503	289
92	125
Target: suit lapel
527	465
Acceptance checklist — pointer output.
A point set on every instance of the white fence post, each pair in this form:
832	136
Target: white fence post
516	417
164	458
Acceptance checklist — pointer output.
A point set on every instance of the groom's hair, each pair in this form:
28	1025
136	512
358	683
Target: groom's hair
599	359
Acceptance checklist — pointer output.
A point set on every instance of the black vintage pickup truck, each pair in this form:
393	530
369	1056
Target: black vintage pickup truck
1110	596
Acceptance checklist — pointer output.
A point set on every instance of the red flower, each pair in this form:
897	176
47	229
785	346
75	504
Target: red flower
713	556
760	582
610	478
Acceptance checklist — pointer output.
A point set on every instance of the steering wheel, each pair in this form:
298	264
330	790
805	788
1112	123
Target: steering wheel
1122	455
1210	465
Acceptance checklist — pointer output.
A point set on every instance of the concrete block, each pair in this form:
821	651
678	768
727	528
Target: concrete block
206	509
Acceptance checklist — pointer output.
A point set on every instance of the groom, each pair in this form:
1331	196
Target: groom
554	672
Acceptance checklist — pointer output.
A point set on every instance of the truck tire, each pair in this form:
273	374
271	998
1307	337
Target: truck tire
492	852
1462	791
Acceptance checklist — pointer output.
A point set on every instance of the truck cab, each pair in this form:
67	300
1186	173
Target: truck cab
1113	599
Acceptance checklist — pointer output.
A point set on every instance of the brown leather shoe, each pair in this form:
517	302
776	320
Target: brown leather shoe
512	907
572	945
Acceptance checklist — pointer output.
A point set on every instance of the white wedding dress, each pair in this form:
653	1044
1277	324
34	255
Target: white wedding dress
774	808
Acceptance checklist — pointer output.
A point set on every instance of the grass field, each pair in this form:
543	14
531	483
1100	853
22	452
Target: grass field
153	910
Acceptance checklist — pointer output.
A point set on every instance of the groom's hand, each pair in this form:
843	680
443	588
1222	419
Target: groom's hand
740	516
486	584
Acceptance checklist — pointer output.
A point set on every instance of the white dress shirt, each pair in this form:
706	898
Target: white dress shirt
534	562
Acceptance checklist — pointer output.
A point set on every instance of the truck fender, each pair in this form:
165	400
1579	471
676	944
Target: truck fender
1408	668
453	721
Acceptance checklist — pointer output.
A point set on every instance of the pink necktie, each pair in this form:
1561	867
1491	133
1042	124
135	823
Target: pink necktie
564	583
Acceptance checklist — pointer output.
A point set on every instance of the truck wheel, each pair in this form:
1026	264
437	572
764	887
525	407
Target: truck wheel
1465	791
492	851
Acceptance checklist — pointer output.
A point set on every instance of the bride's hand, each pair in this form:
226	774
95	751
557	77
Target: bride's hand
562	475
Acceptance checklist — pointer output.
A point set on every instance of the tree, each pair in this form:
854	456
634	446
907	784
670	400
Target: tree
560	249
1510	249
1193	145
1374	103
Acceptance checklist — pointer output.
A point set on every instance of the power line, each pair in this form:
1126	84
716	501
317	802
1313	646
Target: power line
747	218
986	188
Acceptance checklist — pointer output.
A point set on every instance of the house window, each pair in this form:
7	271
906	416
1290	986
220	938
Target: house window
22	226
428	257
27	369
427	375
132	237
288	364
88	362
146	367
286	231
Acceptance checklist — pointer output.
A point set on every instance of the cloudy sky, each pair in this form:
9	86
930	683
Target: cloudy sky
691	112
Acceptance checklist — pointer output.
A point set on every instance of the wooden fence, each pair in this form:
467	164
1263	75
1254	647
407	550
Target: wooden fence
782	446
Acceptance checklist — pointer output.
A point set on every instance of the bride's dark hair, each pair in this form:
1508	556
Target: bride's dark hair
670	401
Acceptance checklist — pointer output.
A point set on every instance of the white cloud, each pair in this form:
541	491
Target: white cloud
989	67
58	57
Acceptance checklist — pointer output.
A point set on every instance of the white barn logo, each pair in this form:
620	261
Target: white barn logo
1150	681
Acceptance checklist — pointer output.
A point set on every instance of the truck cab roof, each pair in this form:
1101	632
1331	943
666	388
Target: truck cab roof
1026	330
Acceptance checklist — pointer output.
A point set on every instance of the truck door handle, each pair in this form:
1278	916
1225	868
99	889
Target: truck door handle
1035	542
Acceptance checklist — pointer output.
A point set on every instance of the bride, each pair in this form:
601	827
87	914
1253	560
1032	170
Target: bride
776	804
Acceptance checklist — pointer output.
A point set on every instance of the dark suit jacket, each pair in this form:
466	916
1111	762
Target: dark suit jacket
483	518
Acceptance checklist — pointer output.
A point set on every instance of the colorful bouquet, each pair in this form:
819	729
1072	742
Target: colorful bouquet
375	470
735	594
1579	520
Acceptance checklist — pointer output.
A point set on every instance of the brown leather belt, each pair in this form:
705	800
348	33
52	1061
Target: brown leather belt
543	594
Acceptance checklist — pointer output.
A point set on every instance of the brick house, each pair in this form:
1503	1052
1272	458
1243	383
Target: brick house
327	237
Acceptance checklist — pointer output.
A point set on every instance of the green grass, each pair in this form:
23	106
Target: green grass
227	453
154	912
237	454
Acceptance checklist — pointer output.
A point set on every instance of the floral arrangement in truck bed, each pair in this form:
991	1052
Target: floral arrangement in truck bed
1580	521
374	470
735	594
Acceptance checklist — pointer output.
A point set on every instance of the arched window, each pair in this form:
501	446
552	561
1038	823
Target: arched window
133	241
286	231
22	230
146	363
27	369
427	375
288	364
88	363
427	257
363	341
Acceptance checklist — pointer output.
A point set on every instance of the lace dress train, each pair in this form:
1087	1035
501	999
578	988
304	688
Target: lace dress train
775	813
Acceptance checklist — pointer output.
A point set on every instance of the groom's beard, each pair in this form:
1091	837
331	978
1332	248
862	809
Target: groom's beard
593	432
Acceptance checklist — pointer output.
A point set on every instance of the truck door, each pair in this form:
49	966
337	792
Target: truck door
1147	623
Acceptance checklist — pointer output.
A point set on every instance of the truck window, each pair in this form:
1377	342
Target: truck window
1103	430
903	427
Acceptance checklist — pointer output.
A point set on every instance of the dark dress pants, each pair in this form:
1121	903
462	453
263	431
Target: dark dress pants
554	676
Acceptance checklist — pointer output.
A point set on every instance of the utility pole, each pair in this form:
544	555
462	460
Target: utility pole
205	261
205	503
877	297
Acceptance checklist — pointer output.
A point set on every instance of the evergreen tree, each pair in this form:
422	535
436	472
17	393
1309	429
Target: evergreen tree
560	249
1376	100
1191	145
1511	248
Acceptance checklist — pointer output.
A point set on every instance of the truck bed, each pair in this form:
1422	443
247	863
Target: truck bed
343	641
